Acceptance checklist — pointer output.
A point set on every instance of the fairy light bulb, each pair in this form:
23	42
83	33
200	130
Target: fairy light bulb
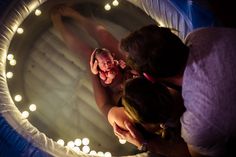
115	3
70	144
10	57
38	12
20	30
85	141
122	141
92	152
107	7
9	74
32	107
25	114
12	62
86	149
60	142
18	98
100	153
78	142
107	154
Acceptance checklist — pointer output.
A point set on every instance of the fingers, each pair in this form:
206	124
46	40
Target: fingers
93	67
120	133
92	57
102	75
130	128
93	64
128	135
136	135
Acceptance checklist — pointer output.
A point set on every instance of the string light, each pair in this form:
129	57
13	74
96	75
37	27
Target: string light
100	153
115	3
18	98
20	30
32	107
12	62
107	7
86	149
92	152
122	141
85	141
78	142
9	74
25	114
75	145
61	142
10	57
38	12
107	154
70	144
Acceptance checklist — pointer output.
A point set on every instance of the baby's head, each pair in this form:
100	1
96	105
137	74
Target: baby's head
105	59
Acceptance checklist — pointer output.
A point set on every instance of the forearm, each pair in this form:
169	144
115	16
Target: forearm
102	96
168	148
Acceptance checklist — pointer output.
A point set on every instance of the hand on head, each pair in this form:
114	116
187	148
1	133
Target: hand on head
93	64
132	135
123	126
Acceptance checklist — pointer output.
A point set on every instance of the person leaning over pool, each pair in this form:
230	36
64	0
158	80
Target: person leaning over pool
204	66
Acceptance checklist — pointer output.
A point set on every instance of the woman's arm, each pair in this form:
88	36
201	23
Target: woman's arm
156	144
103	95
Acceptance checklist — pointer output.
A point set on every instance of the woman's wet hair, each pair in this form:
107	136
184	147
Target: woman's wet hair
156	51
147	102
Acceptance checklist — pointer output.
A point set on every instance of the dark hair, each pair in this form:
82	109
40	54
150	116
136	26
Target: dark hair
156	51
101	51
147	102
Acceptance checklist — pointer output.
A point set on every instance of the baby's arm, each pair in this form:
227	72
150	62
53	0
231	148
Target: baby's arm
110	75
102	75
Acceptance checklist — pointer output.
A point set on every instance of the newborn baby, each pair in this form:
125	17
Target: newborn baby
106	66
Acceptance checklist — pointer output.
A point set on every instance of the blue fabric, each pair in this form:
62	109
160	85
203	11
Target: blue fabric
13	144
198	15
181	15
